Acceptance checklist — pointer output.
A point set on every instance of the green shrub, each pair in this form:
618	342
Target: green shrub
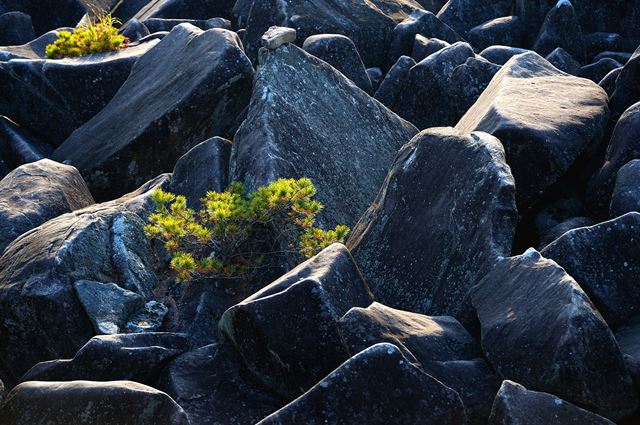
235	232
99	35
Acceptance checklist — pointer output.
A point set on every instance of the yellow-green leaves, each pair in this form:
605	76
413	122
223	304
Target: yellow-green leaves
99	35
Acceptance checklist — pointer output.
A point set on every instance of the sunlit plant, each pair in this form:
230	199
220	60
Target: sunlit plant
98	35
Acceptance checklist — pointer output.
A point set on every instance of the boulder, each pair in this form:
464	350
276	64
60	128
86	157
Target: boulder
204	168
67	92
596	71
19	146
334	134
424	47
149	318
437	226
604	260
340	52
186	9
287	333
160	24
561	228
599	42
541	138
539	328
622	57
376	386
104	403
376	76
562	60
467	82
17	29
135	30
36	192
561	29
626	192
627	92
608	83
515	405
188	87
67	13
503	31
34	49
462	15
131	357
392	83
277	36
500	55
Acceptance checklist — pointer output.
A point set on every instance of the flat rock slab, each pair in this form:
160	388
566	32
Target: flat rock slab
544	118
437	225
306	119
277	36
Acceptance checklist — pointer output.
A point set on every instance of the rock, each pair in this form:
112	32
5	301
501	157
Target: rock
423	98
161	24
627	92
515	405
560	229
34	49
185	9
608	83
598	70
599	42
539	328
16	29
561	29
603	260
462	15
147	319
132	357
287	333
334	134
428	269
189	87
369	24
623	147
622	57
500	55
424	47
503	31
277	36
389	88
340	52
376	76
563	61
19	146
542	139
104	403
207	383
377	386
423	23
626	192
67	13
204	168
439	344
467	82
135	30
37	192
556	213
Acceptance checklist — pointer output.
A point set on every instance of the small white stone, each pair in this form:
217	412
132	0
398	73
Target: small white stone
277	36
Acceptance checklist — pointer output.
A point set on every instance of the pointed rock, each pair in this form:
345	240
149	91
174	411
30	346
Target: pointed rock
561	29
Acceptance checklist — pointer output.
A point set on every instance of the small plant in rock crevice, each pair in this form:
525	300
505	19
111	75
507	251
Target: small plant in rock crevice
235	231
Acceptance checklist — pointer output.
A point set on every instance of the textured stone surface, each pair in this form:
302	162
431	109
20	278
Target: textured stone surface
626	192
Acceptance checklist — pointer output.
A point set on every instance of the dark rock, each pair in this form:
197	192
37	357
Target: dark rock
555	213
621	57
438	344
468	81
19	146
389	88
627	337
131	357
623	147
147	319
604	261
288	333
376	76
34	49
204	168
339	52
561	228
626	192
462	15
107	305
424	47
127	9
423	23
207	383
539	328
377	386
627	91
504	31
16	29
334	134
428	269
186	9
501	54
369	24
561	29
135	30
598	70
600	42
608	83
67	13
68	92
432	5
104	403
541	138
189	87
161	24
37	192
563	61
515	405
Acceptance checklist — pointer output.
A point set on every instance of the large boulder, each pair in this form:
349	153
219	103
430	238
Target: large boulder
306	119
561	29
104	403
376	386
540	329
67	13
462	15
389	88
187	88
544	118
626	193
444	215
17	29
604	260
627	91
505	31
185	9
59	95
36	192
19	146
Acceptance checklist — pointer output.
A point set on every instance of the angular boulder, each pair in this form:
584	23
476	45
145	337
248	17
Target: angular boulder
186	9
389	88
67	12
626	192
627	91
17	28
437	225
562	60
424	47
561	29
504	31
187	88
19	146
544	118
501	54
462	15
306	119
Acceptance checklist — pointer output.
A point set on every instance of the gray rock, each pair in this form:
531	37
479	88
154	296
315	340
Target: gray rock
35	49
392	83
626	193
184	9
147	319
376	76
561	228
541	138
622	57
135	30
19	146
334	134
468	203
36	192
627	92
462	15
503	31
67	12
424	47
596	71
597	43
189	87
539	328
104	403
608	83
561	29
17	28
515	405
501	54
467	82
160	24
277	36
562	60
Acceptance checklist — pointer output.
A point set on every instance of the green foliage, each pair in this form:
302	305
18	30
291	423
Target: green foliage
235	231
99	35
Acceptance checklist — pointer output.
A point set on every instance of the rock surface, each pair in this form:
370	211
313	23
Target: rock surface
626	192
